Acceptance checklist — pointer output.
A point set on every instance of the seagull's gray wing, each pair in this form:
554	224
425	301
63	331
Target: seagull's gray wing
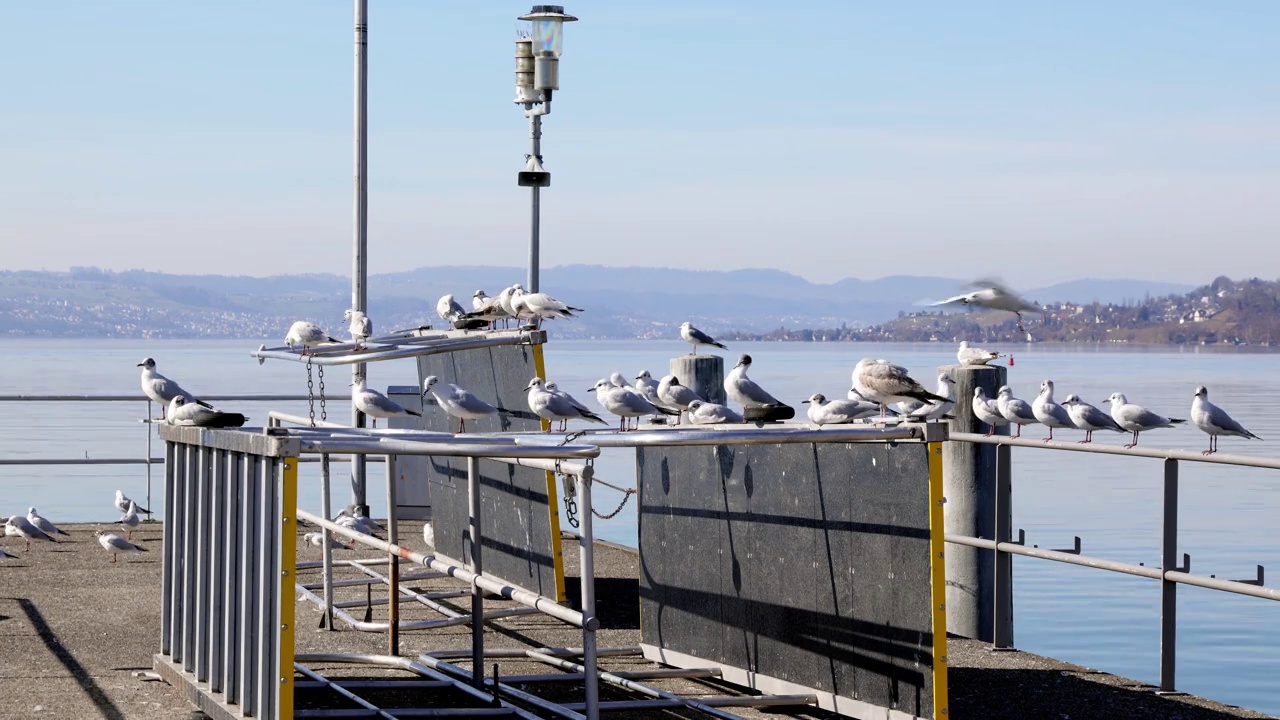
384	403
1221	419
1059	413
1022	409
681	395
635	403
168	389
965	298
701	337
1142	417
122	545
466	400
754	392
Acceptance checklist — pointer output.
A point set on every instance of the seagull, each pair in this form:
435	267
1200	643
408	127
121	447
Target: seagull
115	544
674	395
458	402
625	403
555	407
744	391
504	300
936	409
975	356
1214	420
883	382
21	527
360	326
1049	413
836	412
696	337
306	335
555	390
182	412
986	410
49	528
1136	418
484	308
123	502
540	306
376	405
360	524
994	296
479	301
705	413
648	389
130	519
161	389
449	309
317	539
1016	411
1088	418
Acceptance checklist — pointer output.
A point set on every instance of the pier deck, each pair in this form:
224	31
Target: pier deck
75	630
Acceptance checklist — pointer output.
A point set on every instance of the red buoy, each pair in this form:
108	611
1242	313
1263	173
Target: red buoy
1010	361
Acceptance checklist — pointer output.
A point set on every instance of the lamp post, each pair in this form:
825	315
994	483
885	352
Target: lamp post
537	76
360	239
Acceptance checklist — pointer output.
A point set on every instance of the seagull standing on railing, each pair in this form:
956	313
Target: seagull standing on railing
986	410
49	528
555	390
625	402
1088	418
1017	412
696	337
21	527
376	405
1214	420
540	306
883	382
161	389
1049	413
836	412
1136	418
487	309
306	335
934	410
182	412
504	300
123	502
556	407
745	391
359	325
458	402
115	544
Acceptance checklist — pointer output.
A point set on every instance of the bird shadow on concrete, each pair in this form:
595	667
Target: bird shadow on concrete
50	639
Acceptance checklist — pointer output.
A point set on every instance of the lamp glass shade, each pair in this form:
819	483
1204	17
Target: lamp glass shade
548	37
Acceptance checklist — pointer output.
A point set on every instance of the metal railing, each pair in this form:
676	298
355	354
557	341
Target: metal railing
1170	573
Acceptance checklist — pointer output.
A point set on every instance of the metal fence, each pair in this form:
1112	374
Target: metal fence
1171	572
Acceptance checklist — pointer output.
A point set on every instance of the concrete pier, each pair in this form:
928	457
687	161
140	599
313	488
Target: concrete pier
703	373
76	629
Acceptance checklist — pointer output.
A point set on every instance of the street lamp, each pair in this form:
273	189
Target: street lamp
537	76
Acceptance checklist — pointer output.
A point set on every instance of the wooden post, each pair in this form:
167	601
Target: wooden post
703	373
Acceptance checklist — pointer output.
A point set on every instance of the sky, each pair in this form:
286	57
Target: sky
1036	142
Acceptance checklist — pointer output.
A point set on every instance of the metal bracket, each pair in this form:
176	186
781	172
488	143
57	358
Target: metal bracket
1022	538
1251	581
1070	551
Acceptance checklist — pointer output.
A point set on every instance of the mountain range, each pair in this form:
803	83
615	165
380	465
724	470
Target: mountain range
619	301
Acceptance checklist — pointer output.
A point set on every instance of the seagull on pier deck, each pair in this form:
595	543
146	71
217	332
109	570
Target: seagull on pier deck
123	502
19	526
458	402
115	544
49	528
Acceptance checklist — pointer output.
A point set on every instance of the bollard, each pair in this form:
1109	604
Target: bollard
970	486
703	373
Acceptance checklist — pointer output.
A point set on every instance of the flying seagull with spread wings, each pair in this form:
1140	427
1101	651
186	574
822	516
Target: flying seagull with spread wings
995	296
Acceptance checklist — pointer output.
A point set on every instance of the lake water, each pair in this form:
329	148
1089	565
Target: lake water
1226	643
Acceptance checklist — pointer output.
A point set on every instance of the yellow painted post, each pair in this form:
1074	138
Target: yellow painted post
553	505
938	582
288	571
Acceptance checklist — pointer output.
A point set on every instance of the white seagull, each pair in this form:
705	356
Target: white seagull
883	382
317	539
936	409
123	502
625	403
648	389
306	335
359	325
504	300
115	544
994	296
540	306
696	337
744	391
49	528
1017	412
705	413
161	389
1049	413
1136	418
458	402
986	410
1088	418
182	412
837	412
555	390
975	356
449	309
556	406
677	396
21	527
130	519
376	405
1214	420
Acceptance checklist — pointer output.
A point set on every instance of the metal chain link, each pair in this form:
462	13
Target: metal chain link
311	396
324	414
570	503
626	495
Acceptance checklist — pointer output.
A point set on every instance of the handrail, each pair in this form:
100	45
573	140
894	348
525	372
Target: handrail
144	398
1104	449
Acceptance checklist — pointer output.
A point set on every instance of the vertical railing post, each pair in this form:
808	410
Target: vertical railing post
476	567
393	562
326	553
1002	610
586	554
150	431
1169	588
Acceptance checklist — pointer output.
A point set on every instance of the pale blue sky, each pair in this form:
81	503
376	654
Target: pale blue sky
1060	140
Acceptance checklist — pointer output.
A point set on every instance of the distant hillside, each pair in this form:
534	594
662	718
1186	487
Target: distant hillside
620	302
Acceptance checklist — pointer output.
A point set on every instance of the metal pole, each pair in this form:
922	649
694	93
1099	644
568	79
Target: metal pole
1169	588
150	432
586	542
477	595
360	254
535	135
326	509
393	563
1002	618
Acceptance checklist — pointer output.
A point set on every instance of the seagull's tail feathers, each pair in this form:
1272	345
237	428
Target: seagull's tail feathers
326	337
924	396
414	413
588	415
60	531
1251	435
201	402
720	345
665	411
226	420
139	548
570	307
1176	421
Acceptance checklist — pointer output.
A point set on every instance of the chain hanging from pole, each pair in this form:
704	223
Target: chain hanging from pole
324	414
311	395
626	495
570	503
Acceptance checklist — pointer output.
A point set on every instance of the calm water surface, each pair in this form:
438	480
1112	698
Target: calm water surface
1226	643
